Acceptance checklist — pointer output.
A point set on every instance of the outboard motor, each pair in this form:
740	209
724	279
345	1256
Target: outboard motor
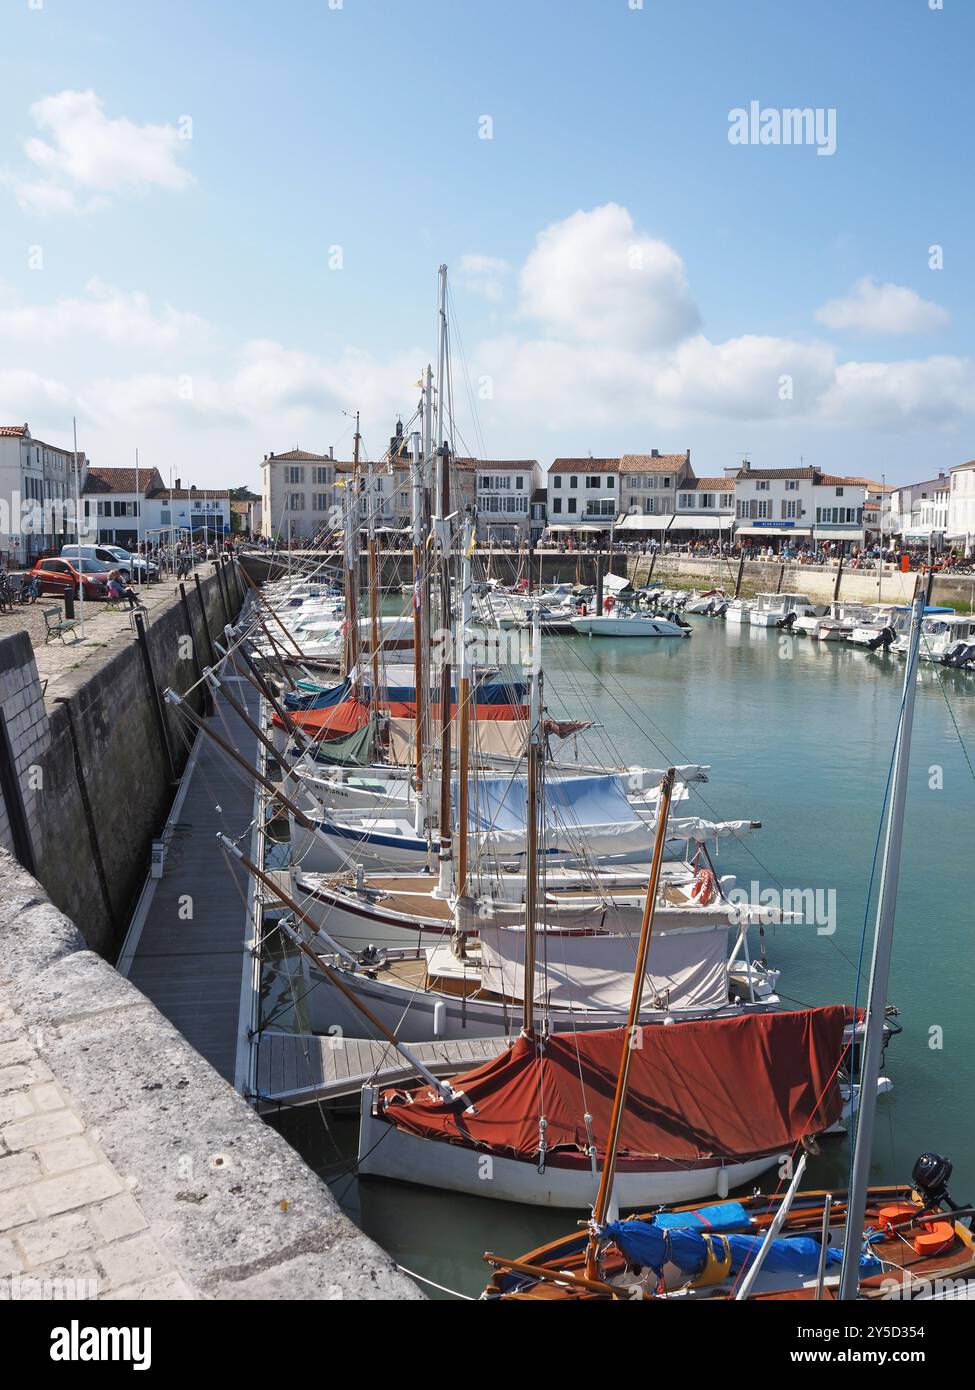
931	1175
885	638
720	609
787	623
958	654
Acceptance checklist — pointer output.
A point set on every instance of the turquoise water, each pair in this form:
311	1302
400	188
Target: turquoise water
799	735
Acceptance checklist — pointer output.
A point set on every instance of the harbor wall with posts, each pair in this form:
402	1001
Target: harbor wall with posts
678	570
86	779
128	1167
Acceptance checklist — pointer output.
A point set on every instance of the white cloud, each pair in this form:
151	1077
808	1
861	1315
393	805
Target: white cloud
482	275
933	393
86	156
108	314
874	308
600	359
593	278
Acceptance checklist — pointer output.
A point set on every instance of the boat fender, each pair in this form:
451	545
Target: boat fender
935	1240
717	1264
705	888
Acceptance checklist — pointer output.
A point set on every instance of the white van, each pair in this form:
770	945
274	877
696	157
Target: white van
113	555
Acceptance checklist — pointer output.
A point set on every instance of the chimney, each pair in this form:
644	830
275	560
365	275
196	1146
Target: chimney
688	456
654	453
331	451
177	485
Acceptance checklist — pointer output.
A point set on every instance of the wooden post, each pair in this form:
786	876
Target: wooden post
630	1032
741	572
839	580
778	587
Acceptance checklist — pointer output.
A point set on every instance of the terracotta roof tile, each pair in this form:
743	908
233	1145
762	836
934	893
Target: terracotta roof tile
652	463
123	480
585	465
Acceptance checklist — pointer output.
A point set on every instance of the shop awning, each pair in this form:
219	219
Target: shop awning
589	523
838	533
774	531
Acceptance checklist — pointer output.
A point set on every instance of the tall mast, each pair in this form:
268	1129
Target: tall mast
446	671
630	1036
464	701
352	567
536	763
420	682
880	969
373	584
443	535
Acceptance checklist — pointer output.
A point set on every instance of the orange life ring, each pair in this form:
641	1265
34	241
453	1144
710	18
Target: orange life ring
705	887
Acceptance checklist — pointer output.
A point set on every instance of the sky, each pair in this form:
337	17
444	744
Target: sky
220	227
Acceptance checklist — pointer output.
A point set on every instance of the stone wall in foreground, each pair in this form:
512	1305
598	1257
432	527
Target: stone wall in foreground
86	782
127	1162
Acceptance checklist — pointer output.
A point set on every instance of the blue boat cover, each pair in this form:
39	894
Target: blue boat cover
311	695
319	697
651	1245
571	803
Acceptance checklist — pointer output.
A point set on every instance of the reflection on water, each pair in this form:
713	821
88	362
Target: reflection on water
799	735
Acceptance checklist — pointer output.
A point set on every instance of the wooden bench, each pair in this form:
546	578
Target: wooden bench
56	625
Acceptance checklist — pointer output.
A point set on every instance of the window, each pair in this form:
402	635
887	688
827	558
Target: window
839	492
706	500
319	501
665	482
319	476
764	510
519	483
556	479
611	480
761	485
572	504
601	506
593	480
686	500
573	482
294	475
792	485
296	501
556	504
790	510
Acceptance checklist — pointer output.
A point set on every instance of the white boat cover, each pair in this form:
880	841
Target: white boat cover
688	967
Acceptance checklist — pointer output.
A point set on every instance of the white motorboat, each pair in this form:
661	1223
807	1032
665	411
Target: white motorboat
773	610
628	624
939	632
739	611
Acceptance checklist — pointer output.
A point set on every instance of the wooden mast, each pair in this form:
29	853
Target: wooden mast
420	690
352	568
536	763
464	704
446	678
631	1035
373	586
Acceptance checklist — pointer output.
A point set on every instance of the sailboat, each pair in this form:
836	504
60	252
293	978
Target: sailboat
537	1117
891	1242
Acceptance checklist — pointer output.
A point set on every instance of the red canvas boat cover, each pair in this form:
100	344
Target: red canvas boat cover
722	1088
406	709
334	721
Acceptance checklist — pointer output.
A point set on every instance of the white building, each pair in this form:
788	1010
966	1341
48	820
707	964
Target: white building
961	507
120	508
583	495
299	497
919	512
37	495
776	506
504	492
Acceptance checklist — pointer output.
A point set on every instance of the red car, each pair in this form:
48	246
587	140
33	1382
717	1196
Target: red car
58	576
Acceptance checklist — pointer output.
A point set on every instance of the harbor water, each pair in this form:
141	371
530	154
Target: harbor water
799	735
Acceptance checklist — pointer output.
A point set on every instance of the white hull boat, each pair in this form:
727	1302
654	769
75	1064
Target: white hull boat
606	625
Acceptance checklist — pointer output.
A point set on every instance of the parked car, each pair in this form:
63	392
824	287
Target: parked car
129	565
64	576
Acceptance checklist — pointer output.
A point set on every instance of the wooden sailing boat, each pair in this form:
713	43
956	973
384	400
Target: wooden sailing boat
892	1239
